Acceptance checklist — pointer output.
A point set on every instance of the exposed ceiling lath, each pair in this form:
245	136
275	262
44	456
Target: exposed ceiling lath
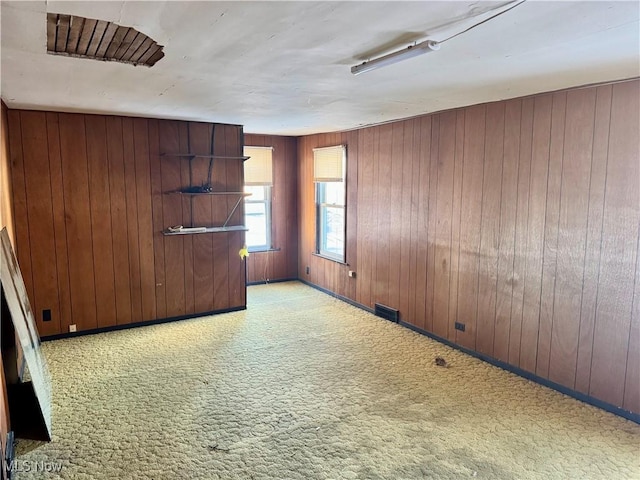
100	40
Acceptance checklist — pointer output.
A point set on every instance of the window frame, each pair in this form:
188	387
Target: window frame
322	206
267	201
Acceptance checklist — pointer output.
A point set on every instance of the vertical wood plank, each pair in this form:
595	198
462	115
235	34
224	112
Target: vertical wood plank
60	228
203	215
235	182
75	177
424	158
20	209
366	232
395	209
352	141
443	225
631	400
455	225
508	210
382	248
292	220
619	243
593	236
551	231
119	220
155	167
490	228
40	218
535	232
145	218
187	213
405	222
100	201
470	223
522	220
431	220
572	228
133	232
220	209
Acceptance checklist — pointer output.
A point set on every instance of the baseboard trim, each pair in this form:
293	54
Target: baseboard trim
339	297
634	417
159	321
266	282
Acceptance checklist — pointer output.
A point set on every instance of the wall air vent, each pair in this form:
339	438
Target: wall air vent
100	40
387	313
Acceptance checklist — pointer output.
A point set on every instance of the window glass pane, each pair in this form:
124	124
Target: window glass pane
256	222
332	231
334	193
257	217
257	192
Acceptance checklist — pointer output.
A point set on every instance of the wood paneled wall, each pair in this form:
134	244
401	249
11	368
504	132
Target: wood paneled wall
89	209
6	220
282	262
6	207
519	219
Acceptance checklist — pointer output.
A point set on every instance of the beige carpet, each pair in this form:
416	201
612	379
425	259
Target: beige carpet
303	386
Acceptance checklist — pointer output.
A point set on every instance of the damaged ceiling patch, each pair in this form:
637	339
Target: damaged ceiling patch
101	40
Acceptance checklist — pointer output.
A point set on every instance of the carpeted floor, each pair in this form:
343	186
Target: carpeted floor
303	386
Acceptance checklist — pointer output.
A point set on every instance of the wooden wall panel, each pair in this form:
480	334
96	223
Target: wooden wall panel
571	243
99	199
519	219
59	221
75	176
424	159
39	208
470	234
93	188
282	262
490	229
145	218
614	303
506	241
538	181
443	223
6	220
593	237
133	234
551	231
119	221
522	219
6	201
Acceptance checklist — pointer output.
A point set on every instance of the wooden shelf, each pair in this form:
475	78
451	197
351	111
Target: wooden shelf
191	156
179	192
187	231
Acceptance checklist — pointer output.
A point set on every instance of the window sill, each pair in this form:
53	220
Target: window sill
264	250
329	258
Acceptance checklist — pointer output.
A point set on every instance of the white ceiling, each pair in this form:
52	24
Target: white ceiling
284	67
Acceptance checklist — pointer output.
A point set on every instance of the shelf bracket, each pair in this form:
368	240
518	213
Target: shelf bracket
233	210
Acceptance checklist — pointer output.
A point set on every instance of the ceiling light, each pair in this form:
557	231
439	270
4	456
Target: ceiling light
395	57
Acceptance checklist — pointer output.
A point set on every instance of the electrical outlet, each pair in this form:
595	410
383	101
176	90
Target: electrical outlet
352	274
460	326
308	270
72	328
46	315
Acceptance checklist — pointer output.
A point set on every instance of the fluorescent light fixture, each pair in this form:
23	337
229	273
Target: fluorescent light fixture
395	57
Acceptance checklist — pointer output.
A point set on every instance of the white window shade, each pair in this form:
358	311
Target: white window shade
328	164
258	170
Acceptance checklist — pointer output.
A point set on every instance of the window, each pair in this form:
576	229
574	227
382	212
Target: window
258	179
329	177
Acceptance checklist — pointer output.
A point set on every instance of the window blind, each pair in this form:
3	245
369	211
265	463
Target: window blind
258	170
328	164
